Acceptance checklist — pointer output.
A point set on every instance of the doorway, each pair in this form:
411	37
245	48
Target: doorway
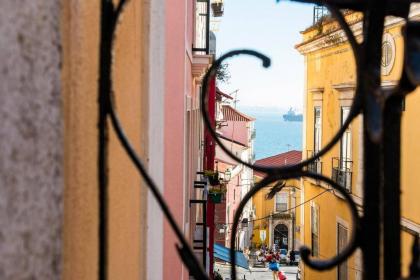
281	236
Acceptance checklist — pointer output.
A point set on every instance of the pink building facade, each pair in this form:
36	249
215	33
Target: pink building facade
186	30
236	132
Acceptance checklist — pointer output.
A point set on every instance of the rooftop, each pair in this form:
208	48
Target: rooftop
288	158
231	114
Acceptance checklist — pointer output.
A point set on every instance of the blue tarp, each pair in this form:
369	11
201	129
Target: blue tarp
223	254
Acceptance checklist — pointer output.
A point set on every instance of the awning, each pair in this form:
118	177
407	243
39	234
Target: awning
223	253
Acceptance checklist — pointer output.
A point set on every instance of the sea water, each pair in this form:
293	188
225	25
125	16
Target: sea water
273	134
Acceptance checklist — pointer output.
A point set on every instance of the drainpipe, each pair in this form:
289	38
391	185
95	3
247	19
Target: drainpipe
293	231
210	150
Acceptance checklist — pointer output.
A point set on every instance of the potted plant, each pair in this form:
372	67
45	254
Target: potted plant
217	8
213	177
216	193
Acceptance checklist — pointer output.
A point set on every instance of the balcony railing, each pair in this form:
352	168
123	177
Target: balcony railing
201	43
315	166
342	171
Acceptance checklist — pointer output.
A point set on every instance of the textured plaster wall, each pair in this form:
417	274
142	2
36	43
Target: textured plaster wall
31	182
175	90
80	36
127	196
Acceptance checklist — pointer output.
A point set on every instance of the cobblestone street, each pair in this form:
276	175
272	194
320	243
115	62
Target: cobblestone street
257	273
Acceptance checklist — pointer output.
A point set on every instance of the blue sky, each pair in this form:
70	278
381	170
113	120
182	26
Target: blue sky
273	29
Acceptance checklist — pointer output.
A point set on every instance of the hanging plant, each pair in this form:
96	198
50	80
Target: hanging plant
213	177
216	193
215	197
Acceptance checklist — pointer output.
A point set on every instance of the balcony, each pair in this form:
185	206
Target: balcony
342	171
315	166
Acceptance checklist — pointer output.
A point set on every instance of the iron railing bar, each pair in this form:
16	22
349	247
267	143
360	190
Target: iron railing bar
105	59
373	26
391	206
205	235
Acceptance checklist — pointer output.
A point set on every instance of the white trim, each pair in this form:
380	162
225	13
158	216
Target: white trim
343	222
317	95
410	225
156	136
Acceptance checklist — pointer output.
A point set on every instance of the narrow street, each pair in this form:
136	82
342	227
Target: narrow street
257	273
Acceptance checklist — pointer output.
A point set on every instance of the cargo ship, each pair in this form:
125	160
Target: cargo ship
291	116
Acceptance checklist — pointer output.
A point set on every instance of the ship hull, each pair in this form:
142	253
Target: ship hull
295	118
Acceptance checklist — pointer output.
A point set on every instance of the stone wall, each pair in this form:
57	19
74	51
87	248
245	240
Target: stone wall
31	170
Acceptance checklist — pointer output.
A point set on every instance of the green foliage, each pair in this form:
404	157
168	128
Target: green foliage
223	74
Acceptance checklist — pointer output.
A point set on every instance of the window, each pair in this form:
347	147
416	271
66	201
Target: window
281	202
317	129
315	230
345	151
341	244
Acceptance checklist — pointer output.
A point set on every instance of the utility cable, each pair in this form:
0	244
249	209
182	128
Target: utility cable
292	208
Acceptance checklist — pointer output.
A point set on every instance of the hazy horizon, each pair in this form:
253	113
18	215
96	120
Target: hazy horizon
275	34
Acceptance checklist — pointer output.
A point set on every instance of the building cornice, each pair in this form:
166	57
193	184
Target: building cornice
337	36
344	86
200	63
317	93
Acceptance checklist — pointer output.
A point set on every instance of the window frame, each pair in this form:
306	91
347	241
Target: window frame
314	211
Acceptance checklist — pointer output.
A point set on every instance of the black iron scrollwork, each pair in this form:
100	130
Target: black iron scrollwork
110	18
370	100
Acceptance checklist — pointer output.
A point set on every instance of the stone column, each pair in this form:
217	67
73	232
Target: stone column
31	149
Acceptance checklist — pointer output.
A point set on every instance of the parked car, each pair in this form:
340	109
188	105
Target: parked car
297	257
283	256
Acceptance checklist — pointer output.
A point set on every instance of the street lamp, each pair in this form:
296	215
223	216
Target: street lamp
228	174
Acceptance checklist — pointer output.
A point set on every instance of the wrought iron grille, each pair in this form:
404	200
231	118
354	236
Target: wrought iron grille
342	172
381	108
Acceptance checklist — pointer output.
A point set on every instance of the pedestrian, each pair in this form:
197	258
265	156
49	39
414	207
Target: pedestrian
274	267
292	257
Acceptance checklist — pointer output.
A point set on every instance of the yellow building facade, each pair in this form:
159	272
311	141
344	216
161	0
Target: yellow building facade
269	219
277	221
330	86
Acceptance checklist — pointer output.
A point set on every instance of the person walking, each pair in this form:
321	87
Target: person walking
292	257
273	266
